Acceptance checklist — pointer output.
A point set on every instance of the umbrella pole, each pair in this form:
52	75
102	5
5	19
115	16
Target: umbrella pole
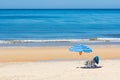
80	53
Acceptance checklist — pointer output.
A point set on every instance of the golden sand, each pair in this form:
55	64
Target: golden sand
53	53
58	70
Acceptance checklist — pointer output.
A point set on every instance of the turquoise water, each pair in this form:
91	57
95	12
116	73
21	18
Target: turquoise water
59	24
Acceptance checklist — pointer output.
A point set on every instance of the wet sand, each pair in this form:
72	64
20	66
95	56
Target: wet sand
10	54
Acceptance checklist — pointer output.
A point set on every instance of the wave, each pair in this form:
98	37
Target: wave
61	40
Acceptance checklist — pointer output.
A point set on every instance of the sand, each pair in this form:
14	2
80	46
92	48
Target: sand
57	63
54	53
59	70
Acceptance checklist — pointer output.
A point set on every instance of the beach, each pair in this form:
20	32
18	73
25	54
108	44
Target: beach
59	70
58	63
34	44
9	54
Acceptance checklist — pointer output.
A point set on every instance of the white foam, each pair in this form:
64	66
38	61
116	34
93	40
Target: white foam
35	41
61	40
110	39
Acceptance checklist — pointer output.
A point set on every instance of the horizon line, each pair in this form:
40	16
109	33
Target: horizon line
58	8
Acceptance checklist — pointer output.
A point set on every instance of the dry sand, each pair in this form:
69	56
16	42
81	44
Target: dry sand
59	70
57	63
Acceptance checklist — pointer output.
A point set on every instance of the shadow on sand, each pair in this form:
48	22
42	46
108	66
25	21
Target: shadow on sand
90	67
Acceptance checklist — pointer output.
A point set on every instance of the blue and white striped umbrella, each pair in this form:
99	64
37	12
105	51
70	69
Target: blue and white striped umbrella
80	48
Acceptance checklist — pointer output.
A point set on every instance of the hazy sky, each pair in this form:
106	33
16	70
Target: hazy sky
59	4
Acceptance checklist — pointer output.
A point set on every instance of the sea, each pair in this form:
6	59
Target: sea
59	27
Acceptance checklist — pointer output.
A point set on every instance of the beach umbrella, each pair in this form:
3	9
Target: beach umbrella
80	48
96	59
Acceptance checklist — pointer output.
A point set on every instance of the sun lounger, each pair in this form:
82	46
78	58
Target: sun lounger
92	63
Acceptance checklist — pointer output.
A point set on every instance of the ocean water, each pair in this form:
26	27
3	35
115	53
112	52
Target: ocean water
36	26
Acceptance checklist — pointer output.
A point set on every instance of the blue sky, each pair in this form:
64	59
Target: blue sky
42	4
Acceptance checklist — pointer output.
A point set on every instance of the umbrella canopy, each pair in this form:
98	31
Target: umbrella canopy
96	59
80	48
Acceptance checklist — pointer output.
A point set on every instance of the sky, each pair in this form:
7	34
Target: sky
58	4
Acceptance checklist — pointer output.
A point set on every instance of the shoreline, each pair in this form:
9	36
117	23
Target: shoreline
28	54
92	44
59	42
